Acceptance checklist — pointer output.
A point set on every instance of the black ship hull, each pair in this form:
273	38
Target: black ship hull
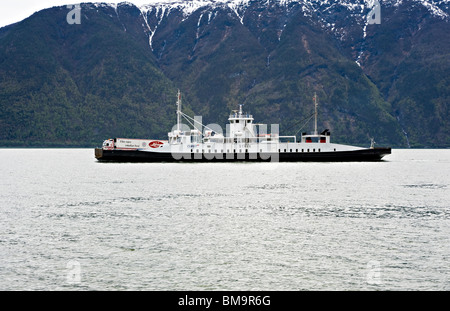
361	155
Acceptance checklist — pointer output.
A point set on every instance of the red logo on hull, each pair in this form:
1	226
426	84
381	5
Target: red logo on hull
155	144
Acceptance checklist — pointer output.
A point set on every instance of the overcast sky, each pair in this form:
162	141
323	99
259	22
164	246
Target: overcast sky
12	11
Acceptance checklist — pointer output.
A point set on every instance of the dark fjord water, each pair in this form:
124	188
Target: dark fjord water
68	222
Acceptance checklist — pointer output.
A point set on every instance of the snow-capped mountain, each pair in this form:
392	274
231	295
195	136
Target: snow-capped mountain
359	9
342	18
380	68
437	7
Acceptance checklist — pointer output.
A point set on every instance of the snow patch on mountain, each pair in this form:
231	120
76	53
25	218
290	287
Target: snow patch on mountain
438	8
324	12
434	9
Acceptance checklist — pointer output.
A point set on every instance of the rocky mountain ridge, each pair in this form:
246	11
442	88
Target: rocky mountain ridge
385	80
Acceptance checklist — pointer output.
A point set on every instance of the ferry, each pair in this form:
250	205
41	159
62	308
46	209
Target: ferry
244	141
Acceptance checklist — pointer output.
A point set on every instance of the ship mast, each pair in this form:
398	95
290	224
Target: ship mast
315	113
179	111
